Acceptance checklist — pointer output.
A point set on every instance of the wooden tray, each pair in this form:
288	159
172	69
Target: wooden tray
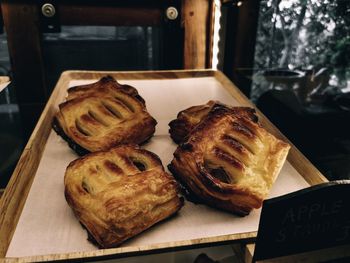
16	194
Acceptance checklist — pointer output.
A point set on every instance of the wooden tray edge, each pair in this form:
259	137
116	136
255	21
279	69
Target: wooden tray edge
122	252
151	74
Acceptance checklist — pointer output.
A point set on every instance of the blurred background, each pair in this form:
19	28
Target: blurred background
290	57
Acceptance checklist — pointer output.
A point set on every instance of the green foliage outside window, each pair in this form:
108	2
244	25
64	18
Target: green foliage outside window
305	34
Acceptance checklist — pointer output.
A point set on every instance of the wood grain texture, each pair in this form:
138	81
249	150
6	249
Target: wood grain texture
105	254
195	15
21	19
25	49
13	200
249	252
71	13
4	79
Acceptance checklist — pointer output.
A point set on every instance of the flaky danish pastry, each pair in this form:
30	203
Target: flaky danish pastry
101	115
229	161
105	84
119	193
188	119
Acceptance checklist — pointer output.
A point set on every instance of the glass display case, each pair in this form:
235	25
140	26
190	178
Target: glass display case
287	60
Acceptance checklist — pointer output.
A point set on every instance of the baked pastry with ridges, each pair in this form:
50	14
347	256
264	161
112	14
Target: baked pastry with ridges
105	84
101	115
188	119
119	193
229	161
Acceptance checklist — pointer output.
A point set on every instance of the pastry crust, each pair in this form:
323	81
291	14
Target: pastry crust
229	161
188	119
119	193
105	85
101	115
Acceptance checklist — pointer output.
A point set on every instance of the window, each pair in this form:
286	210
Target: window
301	77
307	42
101	48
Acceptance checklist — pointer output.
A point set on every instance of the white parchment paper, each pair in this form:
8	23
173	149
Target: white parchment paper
47	224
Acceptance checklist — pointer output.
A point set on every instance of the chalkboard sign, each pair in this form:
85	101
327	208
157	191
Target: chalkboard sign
310	219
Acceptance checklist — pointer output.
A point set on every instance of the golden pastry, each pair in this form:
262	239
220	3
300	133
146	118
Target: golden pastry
229	161
101	115
105	84
119	193
188	119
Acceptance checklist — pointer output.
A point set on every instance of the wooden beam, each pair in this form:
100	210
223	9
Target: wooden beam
74	14
24	44
195	15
